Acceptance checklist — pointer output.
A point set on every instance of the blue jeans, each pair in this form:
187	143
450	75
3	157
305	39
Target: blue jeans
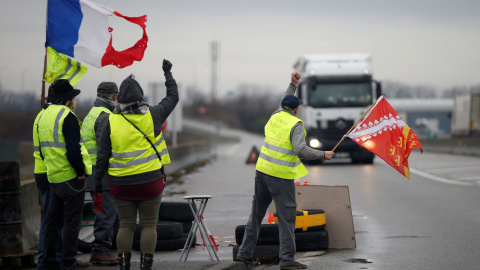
67	199
43	225
103	226
282	192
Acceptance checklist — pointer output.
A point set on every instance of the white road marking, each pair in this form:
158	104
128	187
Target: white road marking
232	149
440	179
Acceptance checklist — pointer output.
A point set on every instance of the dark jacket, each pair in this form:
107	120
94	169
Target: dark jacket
99	122
159	114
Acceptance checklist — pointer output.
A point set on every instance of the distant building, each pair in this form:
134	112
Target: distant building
429	118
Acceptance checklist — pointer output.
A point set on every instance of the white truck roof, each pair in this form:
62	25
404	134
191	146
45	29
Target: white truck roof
334	64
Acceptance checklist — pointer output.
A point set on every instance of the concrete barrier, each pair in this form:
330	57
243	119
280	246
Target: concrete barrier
469	146
31	215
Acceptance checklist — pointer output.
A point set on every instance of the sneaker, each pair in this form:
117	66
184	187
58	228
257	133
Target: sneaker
248	261
296	265
103	259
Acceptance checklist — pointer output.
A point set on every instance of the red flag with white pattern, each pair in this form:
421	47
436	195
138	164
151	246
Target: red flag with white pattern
384	133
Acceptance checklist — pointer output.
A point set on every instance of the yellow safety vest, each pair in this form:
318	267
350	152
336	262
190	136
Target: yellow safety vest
88	132
52	145
131	152
40	167
277	157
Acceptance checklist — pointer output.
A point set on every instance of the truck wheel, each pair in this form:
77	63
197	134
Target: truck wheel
312	162
368	160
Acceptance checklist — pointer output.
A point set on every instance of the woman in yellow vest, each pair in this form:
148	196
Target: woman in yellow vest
67	163
132	149
277	166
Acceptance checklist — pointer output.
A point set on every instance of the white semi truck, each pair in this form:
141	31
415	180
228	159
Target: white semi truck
466	115
336	89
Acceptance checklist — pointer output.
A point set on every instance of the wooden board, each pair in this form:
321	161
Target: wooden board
335	201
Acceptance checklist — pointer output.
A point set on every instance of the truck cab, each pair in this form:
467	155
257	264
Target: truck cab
336	89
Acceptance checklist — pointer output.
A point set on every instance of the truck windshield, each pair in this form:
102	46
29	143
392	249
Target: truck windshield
358	94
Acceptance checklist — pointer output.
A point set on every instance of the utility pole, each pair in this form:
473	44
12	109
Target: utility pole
214	70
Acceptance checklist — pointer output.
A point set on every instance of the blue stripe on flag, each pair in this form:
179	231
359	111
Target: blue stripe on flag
64	19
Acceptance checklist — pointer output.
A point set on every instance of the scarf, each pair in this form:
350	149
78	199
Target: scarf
136	107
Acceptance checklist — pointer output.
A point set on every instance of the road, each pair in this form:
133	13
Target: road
429	222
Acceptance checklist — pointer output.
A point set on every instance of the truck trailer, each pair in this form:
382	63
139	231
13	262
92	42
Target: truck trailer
336	89
466	115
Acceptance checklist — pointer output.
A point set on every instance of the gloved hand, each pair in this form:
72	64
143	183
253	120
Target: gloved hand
98	188
166	66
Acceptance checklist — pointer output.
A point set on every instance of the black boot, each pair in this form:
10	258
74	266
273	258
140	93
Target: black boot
124	260
146	261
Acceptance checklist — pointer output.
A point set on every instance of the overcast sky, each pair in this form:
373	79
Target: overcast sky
428	42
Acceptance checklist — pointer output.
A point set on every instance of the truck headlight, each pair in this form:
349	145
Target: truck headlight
315	143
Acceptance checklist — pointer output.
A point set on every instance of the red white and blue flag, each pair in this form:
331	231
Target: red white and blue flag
80	29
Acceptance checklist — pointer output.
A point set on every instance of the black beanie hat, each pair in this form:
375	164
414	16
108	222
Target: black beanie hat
130	91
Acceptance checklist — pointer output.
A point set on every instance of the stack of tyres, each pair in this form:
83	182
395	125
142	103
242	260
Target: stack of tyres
310	235
170	236
175	219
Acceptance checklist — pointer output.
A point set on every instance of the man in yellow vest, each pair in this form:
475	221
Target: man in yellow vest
277	167
40	173
105	215
67	163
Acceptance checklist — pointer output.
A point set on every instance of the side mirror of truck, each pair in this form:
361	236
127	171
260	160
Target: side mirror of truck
378	89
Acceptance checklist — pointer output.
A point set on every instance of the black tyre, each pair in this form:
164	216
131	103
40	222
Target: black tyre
194	242
309	241
268	234
304	241
83	246
175	211
187	225
265	254
165	230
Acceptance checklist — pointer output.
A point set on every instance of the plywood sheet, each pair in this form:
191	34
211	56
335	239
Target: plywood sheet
335	201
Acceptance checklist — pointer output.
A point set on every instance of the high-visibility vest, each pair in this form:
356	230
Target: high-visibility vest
52	145
88	132
40	167
131	152
277	157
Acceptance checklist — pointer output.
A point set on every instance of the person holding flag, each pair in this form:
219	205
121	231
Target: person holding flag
40	173
106	213
277	167
67	163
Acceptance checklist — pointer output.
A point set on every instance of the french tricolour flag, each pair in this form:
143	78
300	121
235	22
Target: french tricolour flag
80	29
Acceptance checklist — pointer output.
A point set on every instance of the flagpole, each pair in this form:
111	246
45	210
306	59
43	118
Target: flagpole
354	125
42	99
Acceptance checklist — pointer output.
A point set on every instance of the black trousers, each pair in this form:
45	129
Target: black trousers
66	208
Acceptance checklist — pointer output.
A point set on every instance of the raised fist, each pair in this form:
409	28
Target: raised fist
295	78
166	66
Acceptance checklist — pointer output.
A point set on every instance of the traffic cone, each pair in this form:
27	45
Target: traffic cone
253	156
305	183
271	219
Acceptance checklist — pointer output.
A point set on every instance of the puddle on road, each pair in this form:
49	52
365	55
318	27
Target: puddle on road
359	260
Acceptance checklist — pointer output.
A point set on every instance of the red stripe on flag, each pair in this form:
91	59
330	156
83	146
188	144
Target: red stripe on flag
128	56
